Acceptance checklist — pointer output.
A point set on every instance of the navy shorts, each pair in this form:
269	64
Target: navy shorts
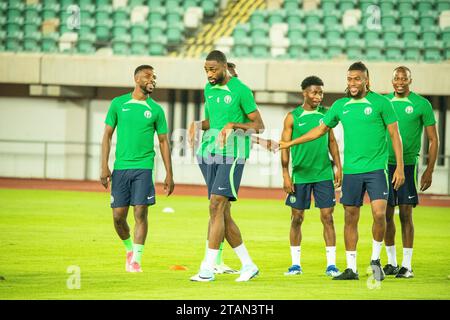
324	196
354	186
407	193
222	175
132	187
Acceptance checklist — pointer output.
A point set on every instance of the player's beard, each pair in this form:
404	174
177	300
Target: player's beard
218	80
145	90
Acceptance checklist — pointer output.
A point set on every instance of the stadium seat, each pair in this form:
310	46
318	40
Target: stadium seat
298	53
412	33
314	32
387	5
189	3
120	27
174	33
391	33
14	24
33	11
174	15
209	7
442	5
389	19
155	3
135	3
409	19
335	47
49	42
85	44
32	25
258	18
432	52
405	5
102	13
158	46
446	34
156	14
313	18
50	11
294	17
428	18
354	49
121	14
15	10
138	29
260	47
333	32
365	4
345	5
430	33
276	16
317	49
331	17
260	31
328	5
413	49
447	50
353	33
371	34
296	32
139	45
374	50
291	5
425	5
394	50
120	44
14	41
103	29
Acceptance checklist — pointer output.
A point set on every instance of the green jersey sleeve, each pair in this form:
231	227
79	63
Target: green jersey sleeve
428	118
111	117
248	103
387	111
331	118
161	123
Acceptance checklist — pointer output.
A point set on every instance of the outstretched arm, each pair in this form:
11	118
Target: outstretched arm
312	134
256	125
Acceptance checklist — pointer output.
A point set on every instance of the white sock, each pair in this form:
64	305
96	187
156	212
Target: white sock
296	254
206	249
407	256
331	255
210	258
376	249
392	255
351	260
243	255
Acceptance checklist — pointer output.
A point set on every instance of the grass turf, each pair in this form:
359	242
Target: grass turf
43	233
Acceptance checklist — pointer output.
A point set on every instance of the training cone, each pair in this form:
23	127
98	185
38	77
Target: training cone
178	267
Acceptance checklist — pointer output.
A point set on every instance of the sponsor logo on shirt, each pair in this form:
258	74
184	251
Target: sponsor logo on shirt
368	111
409	109
147	114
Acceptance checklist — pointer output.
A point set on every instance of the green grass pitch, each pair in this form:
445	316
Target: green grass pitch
43	233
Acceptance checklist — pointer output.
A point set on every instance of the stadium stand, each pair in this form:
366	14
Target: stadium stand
291	29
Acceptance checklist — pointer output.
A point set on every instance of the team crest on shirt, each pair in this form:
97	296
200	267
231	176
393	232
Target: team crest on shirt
147	114
227	99
368	111
292	199
409	109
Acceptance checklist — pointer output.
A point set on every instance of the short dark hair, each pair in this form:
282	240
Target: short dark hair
142	67
217	55
311	81
231	65
404	68
359	66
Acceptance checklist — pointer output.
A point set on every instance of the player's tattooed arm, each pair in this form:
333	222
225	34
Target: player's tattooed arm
427	176
334	151
288	187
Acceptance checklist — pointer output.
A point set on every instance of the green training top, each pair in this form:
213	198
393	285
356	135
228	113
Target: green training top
414	112
310	161
231	102
136	122
365	122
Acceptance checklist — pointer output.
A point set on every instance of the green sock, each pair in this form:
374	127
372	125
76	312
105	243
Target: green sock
138	249
128	244
219	259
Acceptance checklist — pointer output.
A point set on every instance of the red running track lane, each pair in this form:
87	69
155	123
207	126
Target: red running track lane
180	189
